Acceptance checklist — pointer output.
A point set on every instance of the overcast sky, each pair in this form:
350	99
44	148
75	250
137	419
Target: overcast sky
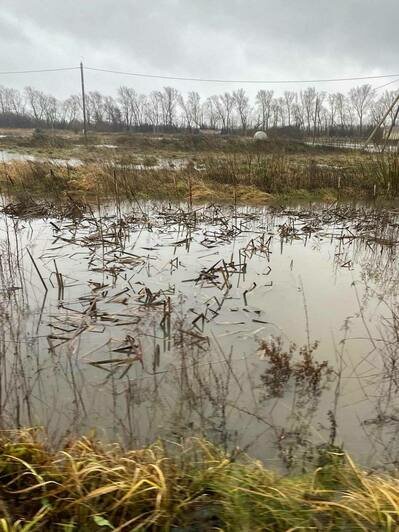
234	39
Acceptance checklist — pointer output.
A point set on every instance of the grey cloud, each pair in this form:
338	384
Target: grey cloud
206	38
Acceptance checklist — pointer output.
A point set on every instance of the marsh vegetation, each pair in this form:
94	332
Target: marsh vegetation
175	297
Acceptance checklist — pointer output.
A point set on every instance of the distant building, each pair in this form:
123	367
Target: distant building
260	135
394	133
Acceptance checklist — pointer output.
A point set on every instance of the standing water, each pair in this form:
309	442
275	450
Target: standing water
274	330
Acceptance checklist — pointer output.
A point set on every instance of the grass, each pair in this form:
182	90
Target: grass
221	168
66	144
246	179
194	486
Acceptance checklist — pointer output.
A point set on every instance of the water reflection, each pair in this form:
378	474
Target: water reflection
161	320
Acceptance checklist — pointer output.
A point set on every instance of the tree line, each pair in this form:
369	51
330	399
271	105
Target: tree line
308	111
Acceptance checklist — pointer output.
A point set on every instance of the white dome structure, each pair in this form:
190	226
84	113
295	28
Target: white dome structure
260	135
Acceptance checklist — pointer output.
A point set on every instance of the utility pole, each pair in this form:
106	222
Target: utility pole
377	127
82	79
390	129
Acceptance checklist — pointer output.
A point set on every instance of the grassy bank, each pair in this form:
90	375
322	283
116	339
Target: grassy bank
66	143
249	179
90	486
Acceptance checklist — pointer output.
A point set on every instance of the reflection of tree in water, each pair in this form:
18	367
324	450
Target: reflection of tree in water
187	386
383	428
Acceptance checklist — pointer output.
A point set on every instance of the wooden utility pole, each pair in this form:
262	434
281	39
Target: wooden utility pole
82	79
390	129
377	127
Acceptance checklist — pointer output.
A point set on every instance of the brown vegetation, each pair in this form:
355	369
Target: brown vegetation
251	178
193	486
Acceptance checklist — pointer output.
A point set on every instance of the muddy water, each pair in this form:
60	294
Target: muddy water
152	316
7	156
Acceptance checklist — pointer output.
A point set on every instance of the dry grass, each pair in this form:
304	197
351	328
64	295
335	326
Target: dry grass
252	178
195	486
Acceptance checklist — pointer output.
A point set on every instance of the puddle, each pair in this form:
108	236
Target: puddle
353	146
152	320
163	164
169	164
7	156
110	146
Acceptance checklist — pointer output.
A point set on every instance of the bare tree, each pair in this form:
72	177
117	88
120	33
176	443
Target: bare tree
386	101
308	102
308	110
95	108
112	112
276	111
341	105
361	98
263	101
17	102
132	107
281	111
50	110
168	99
71	109
36	102
227	106
191	108
3	101
297	113
289	101
241	102
332	101
126	98
153	109
210	112
11	101
219	112
318	112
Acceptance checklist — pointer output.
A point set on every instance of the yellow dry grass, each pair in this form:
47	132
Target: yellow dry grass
194	486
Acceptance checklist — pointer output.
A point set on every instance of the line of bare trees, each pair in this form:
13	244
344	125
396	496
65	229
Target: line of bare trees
307	112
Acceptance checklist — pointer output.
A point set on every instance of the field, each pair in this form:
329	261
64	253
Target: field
220	297
197	166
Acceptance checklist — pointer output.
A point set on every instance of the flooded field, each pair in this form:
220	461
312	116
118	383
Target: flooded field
158	319
154	163
7	156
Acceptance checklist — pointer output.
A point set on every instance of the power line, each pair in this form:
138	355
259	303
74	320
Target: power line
38	71
386	84
206	80
209	80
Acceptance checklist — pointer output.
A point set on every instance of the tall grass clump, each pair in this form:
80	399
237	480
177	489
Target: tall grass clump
224	177
274	173
383	170
193	486
100	177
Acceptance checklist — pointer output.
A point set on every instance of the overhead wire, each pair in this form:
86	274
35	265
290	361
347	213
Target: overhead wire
219	80
34	71
386	84
209	80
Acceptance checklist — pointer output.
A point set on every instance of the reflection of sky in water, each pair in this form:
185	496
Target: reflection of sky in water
7	156
318	279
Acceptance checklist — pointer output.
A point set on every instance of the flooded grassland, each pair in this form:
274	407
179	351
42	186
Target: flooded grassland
272	329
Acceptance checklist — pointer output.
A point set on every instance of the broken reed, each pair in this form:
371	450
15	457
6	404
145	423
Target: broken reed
369	175
92	486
